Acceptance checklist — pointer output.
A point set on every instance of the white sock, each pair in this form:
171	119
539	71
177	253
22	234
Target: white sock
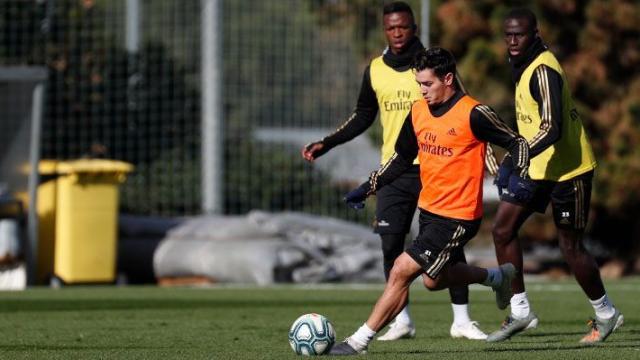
461	314
494	277
403	317
603	307
520	307
361	338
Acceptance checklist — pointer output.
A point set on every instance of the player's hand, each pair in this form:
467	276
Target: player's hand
522	189
356	197
313	150
504	173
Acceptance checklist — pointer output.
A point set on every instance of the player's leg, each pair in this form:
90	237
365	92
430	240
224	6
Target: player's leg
396	293
391	302
439	239
509	218
404	199
570	201
585	269
570	204
462	325
395	207
582	264
402	326
392	247
429	253
498	278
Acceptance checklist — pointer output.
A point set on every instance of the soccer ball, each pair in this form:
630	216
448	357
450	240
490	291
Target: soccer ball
311	334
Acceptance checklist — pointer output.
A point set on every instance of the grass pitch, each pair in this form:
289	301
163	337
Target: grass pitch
252	323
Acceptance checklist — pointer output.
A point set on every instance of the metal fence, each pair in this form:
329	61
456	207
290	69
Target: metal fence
125	80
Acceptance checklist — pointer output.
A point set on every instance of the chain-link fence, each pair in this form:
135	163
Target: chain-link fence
125	79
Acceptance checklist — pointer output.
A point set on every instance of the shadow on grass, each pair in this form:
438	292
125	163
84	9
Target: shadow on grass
10	306
542	347
34	347
506	349
537	335
556	333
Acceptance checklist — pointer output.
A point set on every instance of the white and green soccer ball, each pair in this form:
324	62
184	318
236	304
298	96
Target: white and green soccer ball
311	334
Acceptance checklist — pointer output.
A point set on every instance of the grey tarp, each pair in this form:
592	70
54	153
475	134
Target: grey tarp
264	248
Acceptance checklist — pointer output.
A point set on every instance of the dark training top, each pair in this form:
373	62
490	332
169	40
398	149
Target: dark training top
367	106
551	126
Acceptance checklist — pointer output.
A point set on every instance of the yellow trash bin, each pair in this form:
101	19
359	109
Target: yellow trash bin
77	210
46	210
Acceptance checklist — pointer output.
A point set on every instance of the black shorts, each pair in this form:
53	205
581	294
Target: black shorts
439	240
396	203
570	200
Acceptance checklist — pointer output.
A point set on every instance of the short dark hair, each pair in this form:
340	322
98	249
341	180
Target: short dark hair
523	13
438	59
396	7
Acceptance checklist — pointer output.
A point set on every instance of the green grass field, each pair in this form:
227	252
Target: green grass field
252	323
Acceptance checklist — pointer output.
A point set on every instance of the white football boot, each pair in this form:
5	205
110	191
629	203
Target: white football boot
398	331
469	330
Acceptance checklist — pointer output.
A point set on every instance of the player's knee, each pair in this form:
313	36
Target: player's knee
570	243
430	283
392	246
398	282
501	234
399	272
457	256
567	247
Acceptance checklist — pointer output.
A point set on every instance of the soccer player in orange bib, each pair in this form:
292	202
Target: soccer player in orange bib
389	89
448	131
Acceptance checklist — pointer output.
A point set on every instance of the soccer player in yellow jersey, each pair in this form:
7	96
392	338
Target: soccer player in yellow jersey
448	131
561	171
389	88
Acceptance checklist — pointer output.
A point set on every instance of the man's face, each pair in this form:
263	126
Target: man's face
518	35
432	88
398	29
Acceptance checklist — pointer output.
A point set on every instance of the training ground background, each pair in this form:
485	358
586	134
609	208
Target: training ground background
235	322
